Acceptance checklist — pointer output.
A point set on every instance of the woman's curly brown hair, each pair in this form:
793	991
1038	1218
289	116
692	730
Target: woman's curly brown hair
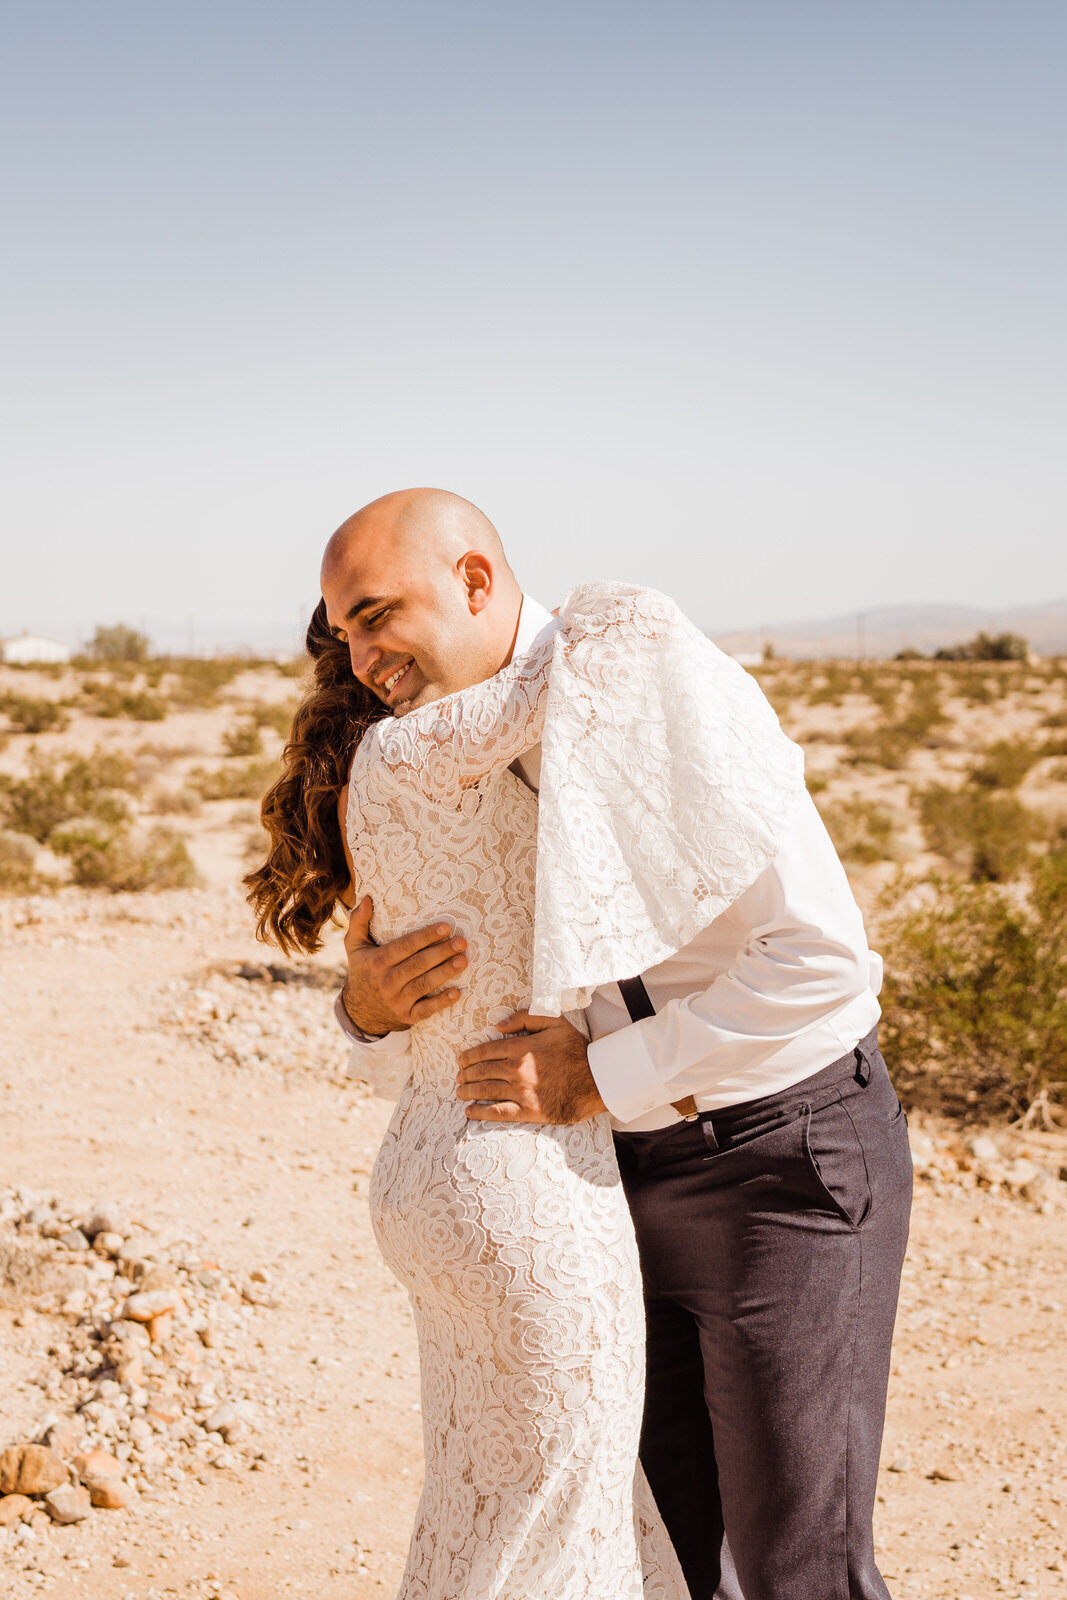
296	889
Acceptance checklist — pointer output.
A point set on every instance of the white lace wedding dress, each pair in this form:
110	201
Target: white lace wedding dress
513	1240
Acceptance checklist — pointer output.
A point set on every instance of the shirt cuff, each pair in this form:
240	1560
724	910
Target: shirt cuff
625	1074
385	1044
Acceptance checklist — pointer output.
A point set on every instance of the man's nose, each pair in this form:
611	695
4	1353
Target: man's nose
363	655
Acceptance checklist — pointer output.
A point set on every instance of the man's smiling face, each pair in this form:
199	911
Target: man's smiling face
410	611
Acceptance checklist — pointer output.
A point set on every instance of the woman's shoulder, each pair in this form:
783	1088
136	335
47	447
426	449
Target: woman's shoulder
605	606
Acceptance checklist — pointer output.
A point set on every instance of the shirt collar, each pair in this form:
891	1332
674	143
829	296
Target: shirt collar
534	620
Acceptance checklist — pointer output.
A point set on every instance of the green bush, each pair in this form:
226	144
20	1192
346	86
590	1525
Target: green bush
986	835
33	714
244	739
249	781
879	744
835	679
195	682
978	689
294	668
277	717
105	699
118	643
182	802
52	793
103	857
987	647
975	994
889	742
18	856
862	831
1005	763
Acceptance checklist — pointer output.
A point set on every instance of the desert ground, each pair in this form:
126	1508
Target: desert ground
188	1280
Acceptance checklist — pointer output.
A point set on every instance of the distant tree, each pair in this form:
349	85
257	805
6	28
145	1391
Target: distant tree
118	643
987	647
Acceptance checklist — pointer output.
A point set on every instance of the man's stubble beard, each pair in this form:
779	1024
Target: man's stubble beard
478	672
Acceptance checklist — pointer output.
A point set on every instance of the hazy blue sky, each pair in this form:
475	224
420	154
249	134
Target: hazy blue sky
758	302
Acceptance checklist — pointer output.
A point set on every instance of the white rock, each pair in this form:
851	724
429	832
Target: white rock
983	1147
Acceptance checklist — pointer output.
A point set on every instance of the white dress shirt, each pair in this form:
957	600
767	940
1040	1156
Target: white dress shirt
769	993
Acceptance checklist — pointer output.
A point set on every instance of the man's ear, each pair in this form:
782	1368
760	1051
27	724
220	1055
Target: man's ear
476	570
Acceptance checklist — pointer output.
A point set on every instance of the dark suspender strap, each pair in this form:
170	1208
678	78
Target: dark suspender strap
635	999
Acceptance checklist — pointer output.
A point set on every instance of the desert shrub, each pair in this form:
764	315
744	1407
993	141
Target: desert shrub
277	717
52	793
878	744
116	858
107	699
1005	763
816	782
182	802
243	739
978	688
888	742
195	681
986	835
295	668
249	781
987	647
862	831
835	679
34	714
975	994
162	755
118	643
18	856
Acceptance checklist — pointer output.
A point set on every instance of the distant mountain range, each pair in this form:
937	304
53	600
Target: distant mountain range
880	631
884	630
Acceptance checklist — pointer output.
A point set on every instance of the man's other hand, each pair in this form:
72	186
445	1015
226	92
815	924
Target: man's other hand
390	986
539	1072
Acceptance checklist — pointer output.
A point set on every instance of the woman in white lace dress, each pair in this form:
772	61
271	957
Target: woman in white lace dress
514	1240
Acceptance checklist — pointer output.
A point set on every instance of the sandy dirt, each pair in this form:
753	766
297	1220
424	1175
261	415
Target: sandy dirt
138	1066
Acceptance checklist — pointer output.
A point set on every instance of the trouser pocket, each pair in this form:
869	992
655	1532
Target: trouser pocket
835	1152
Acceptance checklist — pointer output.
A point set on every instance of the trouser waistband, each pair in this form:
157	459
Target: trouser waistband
849	1073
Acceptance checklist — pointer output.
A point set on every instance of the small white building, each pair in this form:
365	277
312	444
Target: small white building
30	649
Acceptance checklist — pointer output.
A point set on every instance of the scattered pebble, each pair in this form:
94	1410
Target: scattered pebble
139	1362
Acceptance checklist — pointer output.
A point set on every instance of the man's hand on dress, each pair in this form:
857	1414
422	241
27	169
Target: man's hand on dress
390	986
538	1073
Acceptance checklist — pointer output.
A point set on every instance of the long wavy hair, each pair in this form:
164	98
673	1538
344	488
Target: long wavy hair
295	891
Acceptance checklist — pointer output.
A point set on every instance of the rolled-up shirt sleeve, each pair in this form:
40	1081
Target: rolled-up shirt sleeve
798	985
384	1063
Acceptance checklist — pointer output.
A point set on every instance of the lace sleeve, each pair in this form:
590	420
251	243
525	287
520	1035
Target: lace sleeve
666	788
450	745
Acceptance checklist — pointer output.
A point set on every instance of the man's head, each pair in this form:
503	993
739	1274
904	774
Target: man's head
418	586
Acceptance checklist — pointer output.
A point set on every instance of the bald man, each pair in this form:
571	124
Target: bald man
762	1147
